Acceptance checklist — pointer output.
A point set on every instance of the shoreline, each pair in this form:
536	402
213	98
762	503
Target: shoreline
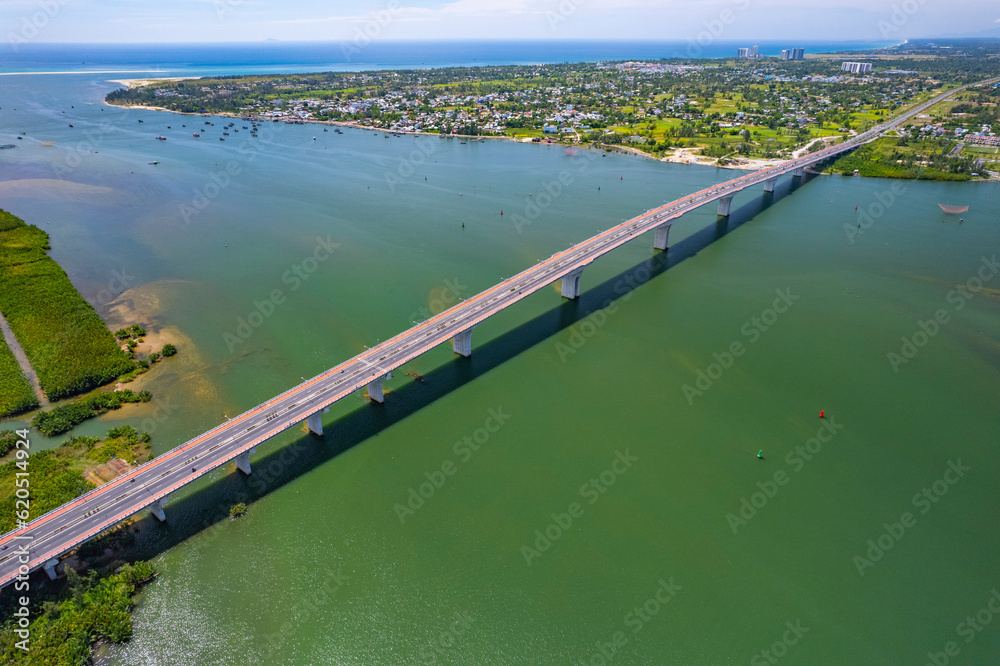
678	156
683	156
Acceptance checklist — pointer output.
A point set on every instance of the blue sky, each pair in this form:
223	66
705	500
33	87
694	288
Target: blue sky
132	21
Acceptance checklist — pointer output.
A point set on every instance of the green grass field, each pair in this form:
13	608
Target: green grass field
886	158
65	340
16	394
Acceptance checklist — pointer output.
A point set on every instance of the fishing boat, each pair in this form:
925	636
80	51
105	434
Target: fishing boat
161	138
196	135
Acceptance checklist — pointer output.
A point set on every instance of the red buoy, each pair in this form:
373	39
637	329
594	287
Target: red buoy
821	412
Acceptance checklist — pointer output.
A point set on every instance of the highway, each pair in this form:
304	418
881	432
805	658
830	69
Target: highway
66	527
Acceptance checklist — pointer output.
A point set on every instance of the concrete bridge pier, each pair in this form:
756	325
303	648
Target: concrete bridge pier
50	568
571	284
724	205
662	234
156	508
375	390
315	421
799	172
770	183
462	343
243	461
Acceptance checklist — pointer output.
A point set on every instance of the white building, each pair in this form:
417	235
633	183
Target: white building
857	67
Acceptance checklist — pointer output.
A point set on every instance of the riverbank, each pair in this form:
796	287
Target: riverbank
64	473
679	156
62	335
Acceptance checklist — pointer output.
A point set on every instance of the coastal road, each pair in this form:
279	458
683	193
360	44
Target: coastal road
59	531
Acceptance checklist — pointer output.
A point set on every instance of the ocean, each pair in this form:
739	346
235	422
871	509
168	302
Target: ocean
277	57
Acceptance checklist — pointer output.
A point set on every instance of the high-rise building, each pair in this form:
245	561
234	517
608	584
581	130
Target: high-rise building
786	54
742	53
798	54
857	67
753	51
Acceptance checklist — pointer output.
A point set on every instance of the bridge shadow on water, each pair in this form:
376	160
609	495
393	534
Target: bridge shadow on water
208	505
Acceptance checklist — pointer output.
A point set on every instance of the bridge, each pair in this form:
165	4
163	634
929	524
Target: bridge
43	540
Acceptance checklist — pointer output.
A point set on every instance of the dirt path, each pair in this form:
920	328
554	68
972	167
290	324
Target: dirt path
22	360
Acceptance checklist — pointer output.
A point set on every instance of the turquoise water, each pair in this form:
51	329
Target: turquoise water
646	478
262	58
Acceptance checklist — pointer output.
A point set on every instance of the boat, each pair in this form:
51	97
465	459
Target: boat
196	135
161	138
221	139
153	163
